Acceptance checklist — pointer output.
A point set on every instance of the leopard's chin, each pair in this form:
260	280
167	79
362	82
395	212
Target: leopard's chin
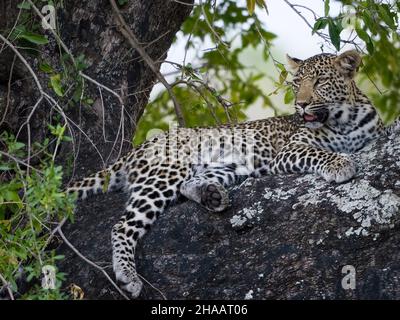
316	119
314	125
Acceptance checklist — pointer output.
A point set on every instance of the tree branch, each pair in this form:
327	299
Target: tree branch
69	244
134	43
7	286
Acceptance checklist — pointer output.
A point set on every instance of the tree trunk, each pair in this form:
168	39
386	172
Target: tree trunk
88	28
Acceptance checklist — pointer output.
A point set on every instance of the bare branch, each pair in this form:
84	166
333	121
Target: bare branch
7	286
27	65
323	36
211	27
8	91
37	11
19	161
130	36
184	3
69	244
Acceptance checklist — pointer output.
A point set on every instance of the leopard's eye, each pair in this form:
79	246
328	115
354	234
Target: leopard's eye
321	81
295	83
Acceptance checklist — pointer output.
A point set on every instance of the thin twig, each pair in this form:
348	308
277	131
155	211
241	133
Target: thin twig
121	126
54	231
13	28
184	3
7	285
37	11
151	285
130	36
19	161
66	49
8	90
27	65
71	246
307	8
211	27
323	36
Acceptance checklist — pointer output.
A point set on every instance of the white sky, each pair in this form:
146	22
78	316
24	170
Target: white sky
293	37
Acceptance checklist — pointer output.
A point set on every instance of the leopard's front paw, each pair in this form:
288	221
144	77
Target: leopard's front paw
214	197
339	170
129	281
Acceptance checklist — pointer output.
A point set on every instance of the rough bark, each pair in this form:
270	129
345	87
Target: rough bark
88	28
284	237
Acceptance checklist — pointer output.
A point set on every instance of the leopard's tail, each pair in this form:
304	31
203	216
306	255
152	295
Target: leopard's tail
110	179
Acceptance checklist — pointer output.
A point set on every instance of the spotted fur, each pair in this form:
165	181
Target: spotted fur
333	119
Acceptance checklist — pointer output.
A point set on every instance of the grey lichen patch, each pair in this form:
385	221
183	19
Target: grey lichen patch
237	221
311	197
246	216
368	153
367	205
279	194
249	295
392	147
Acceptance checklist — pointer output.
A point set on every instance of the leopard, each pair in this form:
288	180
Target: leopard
333	119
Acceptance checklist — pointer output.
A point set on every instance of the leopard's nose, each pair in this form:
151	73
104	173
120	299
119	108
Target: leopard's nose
303	104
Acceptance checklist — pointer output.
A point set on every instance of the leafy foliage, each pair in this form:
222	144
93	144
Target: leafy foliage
228	30
31	203
32	200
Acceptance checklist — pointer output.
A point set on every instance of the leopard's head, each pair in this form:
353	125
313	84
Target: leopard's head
324	87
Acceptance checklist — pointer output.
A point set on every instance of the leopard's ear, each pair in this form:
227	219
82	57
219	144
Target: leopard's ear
294	63
348	62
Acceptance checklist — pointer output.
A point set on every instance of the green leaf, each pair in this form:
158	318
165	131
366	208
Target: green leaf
362	34
251	5
66	138
81	63
89	101
369	22
334	34
370	46
262	4
6	224
280	66
320	24
24	5
55	82
289	96
385	14
45	68
326	8
11	196
17	146
282	76
5	167
34	38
